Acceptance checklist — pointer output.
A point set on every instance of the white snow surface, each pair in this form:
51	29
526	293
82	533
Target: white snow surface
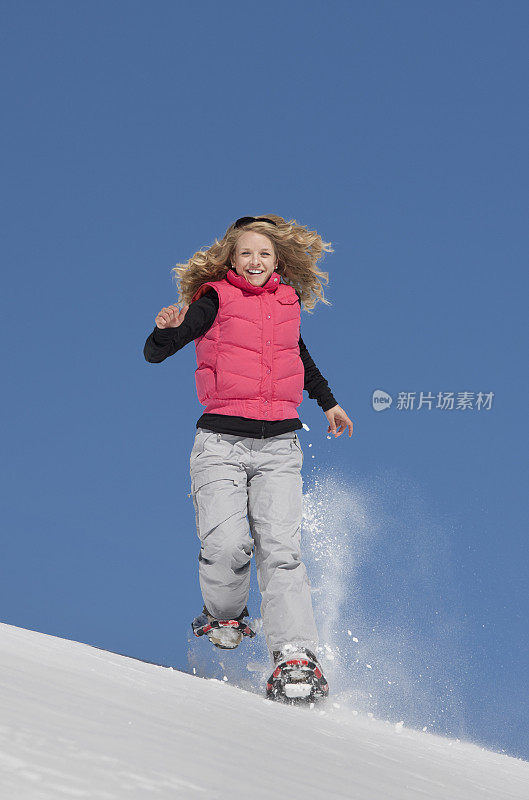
78	722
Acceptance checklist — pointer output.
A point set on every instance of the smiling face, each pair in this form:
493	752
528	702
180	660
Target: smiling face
254	251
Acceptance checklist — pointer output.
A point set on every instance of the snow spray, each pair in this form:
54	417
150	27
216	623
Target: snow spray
379	567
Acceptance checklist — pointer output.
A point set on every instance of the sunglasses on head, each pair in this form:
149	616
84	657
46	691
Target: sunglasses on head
242	221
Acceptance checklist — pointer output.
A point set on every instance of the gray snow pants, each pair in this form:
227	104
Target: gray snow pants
248	496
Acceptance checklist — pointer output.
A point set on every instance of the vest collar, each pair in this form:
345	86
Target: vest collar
239	280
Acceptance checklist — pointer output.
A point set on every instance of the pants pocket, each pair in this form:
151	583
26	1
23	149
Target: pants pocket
201	439
296	445
216	498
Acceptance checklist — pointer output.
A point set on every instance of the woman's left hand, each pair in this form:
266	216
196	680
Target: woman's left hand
339	421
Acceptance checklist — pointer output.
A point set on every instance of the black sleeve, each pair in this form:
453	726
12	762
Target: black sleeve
315	383
164	342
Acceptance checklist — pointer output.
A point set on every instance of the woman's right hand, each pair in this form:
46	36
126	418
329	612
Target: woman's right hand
171	317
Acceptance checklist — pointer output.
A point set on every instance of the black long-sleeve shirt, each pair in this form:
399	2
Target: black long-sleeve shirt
164	342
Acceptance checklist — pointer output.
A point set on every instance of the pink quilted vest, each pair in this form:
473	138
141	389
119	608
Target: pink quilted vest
248	362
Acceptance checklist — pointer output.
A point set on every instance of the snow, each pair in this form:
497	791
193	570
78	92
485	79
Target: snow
78	722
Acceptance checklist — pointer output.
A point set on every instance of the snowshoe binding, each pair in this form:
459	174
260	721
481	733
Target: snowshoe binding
224	633
297	677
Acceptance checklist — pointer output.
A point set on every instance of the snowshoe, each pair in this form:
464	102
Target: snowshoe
224	633
297	677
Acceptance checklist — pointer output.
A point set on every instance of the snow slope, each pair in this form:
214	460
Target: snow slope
79	722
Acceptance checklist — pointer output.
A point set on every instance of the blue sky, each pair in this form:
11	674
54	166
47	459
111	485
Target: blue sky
134	134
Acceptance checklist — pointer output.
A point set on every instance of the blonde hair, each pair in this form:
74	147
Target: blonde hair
297	249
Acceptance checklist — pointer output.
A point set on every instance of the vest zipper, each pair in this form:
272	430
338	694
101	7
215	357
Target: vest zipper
262	430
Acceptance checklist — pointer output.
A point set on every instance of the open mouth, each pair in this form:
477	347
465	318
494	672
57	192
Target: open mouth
255	271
